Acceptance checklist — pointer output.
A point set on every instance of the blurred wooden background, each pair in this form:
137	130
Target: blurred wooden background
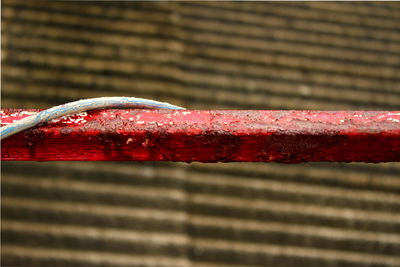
202	55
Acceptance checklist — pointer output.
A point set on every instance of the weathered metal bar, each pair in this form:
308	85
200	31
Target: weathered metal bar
209	136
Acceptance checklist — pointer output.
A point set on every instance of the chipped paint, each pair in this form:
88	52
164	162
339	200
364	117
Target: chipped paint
209	136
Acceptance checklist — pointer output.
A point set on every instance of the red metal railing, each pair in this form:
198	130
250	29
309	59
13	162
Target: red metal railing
209	136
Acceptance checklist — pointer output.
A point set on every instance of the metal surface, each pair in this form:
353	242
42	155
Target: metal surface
209	136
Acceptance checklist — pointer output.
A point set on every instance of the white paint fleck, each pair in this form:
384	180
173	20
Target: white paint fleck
82	114
27	113
145	143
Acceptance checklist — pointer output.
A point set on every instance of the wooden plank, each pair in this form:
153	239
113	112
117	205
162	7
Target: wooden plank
208	136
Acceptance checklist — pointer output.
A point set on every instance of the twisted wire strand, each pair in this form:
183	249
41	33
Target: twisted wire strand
80	106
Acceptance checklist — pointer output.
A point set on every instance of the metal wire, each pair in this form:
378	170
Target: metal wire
80	106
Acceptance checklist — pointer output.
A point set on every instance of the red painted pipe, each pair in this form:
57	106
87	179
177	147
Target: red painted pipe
209	136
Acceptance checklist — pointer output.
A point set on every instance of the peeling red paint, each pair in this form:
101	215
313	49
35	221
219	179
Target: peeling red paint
209	136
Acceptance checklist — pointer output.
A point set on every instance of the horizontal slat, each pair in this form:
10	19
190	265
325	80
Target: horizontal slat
203	203
176	221
17	255
116	43
201	79
301	24
380	10
197	63
194	23
318	12
255	50
257	38
73	84
209	246
297	11
271	185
